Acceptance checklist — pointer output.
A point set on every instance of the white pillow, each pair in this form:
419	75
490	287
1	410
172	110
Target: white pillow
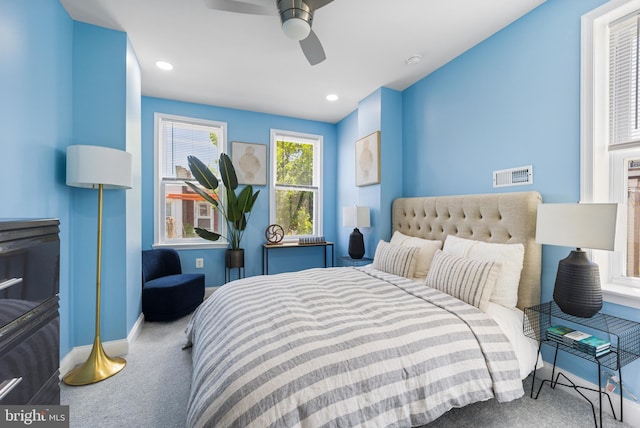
467	279
457	246
395	259
426	250
511	256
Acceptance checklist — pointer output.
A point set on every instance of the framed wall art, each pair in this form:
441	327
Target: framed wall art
368	160
250	162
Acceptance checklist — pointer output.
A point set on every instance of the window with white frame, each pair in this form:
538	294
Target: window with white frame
296	183
610	130
178	209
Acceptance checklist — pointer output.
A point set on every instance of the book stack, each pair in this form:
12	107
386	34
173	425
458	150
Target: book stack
579	340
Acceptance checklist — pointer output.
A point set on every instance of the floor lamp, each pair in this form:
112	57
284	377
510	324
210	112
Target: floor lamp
98	168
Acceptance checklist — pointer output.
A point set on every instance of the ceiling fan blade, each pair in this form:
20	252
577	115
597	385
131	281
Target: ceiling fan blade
317	4
237	6
312	49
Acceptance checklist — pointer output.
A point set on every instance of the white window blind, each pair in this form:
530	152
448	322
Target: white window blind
624	119
183	139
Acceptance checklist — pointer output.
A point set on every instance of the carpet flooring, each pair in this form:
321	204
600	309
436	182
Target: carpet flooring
153	389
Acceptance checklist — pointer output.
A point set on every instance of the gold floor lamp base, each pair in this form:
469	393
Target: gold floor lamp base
99	366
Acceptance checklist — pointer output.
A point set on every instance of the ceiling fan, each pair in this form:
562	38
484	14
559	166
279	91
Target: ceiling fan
296	17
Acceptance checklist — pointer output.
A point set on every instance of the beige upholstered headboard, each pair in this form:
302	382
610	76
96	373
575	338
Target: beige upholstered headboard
495	217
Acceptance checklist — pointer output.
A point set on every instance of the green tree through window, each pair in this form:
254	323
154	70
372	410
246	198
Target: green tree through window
294	167
295	164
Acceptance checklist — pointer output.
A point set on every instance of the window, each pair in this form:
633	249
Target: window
178	210
610	143
296	191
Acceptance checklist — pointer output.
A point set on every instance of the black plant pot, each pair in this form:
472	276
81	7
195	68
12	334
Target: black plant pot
234	258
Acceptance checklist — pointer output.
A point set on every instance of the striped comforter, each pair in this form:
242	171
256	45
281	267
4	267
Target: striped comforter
341	347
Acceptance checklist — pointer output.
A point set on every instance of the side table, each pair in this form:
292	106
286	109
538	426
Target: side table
268	247
348	261
624	336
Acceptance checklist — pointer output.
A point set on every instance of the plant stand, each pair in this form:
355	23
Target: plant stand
233	259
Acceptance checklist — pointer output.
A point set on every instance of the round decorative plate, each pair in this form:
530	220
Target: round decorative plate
274	233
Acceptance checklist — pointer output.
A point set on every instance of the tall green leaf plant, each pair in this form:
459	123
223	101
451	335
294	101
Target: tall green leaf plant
237	207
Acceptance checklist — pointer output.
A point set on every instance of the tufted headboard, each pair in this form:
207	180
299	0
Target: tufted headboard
496	217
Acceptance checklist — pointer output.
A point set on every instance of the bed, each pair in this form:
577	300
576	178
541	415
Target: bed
380	345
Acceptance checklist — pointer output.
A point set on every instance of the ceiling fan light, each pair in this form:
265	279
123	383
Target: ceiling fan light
296	28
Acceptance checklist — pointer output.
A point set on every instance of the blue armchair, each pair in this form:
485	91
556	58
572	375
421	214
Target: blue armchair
167	293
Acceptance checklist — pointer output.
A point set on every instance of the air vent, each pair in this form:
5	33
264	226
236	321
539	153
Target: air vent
513	176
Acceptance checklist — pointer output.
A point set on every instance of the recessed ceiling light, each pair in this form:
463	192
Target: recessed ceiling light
413	59
332	97
164	65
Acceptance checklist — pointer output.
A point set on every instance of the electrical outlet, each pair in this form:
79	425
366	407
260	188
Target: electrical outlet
199	263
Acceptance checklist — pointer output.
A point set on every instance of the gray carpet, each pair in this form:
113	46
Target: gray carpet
152	391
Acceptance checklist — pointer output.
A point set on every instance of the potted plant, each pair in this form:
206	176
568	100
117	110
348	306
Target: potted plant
237	207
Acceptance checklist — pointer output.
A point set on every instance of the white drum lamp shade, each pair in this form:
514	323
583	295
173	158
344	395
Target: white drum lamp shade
90	166
577	288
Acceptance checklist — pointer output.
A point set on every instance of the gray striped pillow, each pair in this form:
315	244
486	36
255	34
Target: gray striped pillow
467	279
395	259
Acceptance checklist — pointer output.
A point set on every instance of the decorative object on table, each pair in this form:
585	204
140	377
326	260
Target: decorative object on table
250	162
368	160
310	240
579	340
99	168
577	289
356	217
274	233
236	209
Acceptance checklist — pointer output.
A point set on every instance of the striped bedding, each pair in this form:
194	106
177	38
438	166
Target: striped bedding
341	347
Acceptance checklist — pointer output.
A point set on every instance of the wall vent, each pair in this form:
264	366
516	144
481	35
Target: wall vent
513	176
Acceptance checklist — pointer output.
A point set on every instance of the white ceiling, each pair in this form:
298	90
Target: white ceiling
246	62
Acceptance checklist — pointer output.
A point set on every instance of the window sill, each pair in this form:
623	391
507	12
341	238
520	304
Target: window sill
194	246
621	295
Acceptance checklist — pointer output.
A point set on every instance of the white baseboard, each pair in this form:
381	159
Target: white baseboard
114	348
631	408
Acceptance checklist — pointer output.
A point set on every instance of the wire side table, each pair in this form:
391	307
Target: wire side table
624	336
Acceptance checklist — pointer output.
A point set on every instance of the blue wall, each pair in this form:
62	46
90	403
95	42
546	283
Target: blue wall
36	122
249	127
513	100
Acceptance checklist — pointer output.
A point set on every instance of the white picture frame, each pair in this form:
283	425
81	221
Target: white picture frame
368	160
250	162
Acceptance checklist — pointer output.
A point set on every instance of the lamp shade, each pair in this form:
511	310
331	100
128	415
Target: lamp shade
577	225
356	217
89	166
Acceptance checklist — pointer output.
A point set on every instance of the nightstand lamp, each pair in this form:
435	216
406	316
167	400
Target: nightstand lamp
577	289
356	217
